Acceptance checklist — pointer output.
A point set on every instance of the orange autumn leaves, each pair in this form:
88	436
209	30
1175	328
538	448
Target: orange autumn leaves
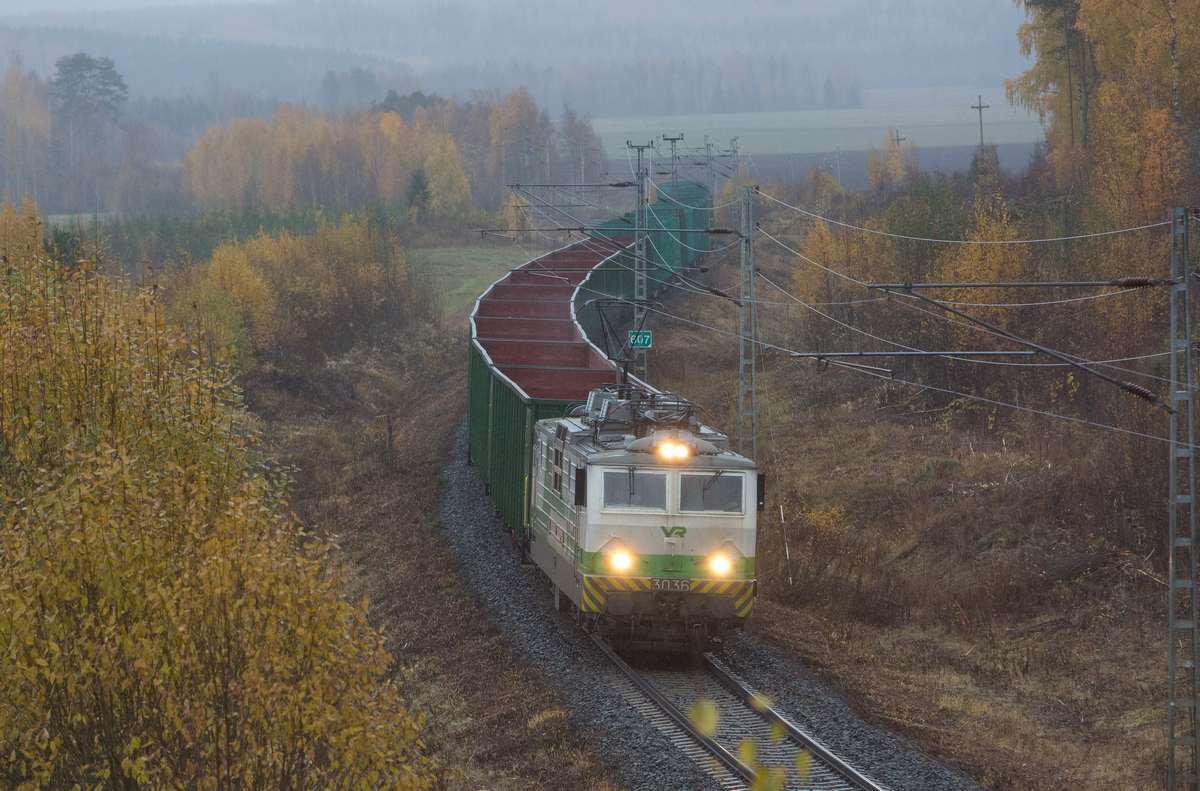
1110	78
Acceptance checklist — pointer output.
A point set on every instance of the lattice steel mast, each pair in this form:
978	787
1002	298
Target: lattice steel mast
641	221
1183	630
747	420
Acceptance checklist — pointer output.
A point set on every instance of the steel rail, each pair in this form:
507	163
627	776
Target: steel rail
680	719
759	706
831	355
1120	282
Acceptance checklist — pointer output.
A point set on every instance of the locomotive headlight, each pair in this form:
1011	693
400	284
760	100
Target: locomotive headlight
617	557
670	450
720	565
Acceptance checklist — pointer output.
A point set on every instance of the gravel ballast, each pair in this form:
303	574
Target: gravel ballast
521	605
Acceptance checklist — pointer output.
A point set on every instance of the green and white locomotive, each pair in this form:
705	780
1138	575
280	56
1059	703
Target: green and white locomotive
641	516
644	519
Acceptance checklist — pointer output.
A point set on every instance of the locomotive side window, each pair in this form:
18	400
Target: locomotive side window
711	492
632	489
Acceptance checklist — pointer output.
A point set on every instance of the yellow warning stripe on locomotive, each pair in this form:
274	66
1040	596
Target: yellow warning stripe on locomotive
745	602
596	590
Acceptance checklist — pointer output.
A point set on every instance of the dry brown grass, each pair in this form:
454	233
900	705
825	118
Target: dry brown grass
981	582
494	723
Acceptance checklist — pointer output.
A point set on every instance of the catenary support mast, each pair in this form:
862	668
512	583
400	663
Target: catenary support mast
1183	630
747	420
640	295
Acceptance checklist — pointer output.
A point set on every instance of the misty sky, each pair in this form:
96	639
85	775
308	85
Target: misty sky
10	7
891	45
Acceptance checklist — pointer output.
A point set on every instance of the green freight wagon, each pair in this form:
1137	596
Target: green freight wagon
531	356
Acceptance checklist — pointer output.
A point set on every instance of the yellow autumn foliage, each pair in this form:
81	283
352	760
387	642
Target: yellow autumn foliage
303	159
447	181
162	623
300	296
987	260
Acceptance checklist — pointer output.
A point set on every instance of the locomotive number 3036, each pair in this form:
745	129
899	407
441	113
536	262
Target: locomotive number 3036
661	584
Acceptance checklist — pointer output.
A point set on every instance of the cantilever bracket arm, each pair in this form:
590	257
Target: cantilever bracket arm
616	349
1129	387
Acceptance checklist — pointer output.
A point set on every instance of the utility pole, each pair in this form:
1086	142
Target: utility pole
980	107
1183	628
712	183
640	368
737	166
747	421
674	161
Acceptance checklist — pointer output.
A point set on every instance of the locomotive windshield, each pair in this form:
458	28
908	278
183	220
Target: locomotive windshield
711	492
635	489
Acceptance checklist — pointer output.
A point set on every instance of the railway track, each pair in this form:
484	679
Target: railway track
665	697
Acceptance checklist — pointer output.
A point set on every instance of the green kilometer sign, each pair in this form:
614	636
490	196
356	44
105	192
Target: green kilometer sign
641	339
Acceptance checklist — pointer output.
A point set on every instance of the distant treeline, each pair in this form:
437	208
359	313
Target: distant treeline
284	50
206	73
667	85
73	144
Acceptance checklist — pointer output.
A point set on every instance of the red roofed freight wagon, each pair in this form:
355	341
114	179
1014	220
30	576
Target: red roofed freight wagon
641	517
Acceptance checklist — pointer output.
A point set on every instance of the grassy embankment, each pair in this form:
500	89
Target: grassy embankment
465	272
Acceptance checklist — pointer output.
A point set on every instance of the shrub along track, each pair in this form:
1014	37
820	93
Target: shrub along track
495	721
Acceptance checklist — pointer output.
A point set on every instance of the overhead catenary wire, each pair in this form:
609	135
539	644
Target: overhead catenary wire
762	346
708	291
962	241
682	243
560	188
667	197
1080	360
1031	410
960	304
695	288
803	257
970	396
1077	358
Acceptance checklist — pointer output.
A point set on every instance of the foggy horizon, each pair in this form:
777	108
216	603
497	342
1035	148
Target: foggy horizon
280	50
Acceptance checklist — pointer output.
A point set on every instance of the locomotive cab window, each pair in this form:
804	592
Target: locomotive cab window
714	492
634	489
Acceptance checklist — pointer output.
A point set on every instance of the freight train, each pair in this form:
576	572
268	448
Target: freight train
640	516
